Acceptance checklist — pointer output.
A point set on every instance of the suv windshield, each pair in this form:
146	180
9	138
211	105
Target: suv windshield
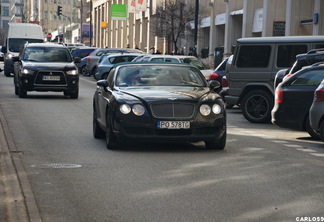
16	45
47	54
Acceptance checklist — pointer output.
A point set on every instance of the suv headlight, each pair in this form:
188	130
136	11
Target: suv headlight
27	71
10	55
72	72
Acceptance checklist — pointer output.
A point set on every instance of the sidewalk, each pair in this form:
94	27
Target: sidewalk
17	202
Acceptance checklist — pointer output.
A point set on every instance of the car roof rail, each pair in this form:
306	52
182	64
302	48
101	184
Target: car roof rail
315	51
317	64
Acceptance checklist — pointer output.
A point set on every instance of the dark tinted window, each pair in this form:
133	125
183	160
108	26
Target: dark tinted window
253	56
319	46
287	54
310	78
81	52
16	45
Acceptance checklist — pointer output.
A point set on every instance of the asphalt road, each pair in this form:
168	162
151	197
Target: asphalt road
264	173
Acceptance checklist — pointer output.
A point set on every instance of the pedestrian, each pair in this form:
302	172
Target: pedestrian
152	50
136	47
128	46
157	52
181	51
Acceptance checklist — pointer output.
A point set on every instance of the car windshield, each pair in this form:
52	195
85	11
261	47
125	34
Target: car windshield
154	75
194	62
16	45
47	54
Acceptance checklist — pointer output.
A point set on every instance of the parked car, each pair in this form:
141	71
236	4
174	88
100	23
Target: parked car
82	67
45	67
192	60
158	102
82	51
305	59
106	62
219	71
294	97
255	63
316	112
93	57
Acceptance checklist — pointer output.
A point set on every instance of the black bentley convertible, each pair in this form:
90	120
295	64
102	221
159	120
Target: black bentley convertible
158	102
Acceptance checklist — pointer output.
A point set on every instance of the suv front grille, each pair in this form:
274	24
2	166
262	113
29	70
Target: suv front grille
50	78
173	110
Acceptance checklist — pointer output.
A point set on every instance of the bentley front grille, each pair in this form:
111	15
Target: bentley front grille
173	110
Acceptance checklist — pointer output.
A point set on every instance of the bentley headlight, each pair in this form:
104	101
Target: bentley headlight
138	110
125	109
217	109
72	72
27	71
205	110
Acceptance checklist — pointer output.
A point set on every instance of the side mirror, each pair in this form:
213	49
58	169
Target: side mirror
77	59
214	84
4	49
102	83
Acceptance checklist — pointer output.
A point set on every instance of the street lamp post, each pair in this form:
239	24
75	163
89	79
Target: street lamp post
196	27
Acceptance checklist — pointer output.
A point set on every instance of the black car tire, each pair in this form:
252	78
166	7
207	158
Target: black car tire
321	131
84	71
93	71
16	89
97	131
21	92
216	144
111	140
6	72
310	130
257	105
74	94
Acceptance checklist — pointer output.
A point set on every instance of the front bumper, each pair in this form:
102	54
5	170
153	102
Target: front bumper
199	131
32	82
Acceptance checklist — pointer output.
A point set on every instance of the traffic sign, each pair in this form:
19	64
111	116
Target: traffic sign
49	35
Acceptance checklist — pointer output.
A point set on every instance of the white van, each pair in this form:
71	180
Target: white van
18	35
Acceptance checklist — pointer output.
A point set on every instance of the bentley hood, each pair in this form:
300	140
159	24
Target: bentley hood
166	93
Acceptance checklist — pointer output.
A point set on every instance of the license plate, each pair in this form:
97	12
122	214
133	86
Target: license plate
173	125
51	78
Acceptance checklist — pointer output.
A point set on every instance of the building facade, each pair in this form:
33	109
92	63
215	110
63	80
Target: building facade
219	28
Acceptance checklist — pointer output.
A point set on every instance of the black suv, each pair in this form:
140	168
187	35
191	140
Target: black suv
45	67
302	60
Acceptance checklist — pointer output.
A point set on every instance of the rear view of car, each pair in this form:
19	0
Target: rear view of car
294	97
316	112
106	63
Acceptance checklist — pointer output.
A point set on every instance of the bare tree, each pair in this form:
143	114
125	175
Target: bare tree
173	17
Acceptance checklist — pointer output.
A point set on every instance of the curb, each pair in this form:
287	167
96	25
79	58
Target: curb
19	203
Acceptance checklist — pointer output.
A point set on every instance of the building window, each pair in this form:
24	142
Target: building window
5	1
5	23
5	11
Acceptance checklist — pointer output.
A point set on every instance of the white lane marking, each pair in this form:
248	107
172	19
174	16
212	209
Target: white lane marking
318	154
293	145
279	141
307	150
